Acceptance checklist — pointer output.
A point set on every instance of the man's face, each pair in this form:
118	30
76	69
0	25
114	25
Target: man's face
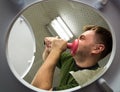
86	42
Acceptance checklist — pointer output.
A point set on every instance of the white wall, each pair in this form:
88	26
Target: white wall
21	47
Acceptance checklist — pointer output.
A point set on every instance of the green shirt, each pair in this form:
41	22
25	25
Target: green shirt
66	64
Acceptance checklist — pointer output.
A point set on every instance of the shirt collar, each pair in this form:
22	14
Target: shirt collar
90	68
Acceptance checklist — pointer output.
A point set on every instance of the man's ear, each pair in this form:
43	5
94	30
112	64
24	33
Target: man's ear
98	48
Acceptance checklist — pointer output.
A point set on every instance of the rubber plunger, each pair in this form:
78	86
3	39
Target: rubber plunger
73	46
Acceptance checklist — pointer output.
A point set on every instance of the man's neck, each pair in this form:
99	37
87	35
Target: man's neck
85	62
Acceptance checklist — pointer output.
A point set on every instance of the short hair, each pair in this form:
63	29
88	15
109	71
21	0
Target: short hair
104	36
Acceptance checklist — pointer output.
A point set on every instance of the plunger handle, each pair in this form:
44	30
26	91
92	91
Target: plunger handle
73	46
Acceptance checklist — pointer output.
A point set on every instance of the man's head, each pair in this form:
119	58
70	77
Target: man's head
95	40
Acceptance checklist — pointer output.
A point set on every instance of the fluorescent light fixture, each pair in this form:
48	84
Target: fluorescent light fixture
64	26
61	29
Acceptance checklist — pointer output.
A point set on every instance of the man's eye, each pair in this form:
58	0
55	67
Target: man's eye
82	37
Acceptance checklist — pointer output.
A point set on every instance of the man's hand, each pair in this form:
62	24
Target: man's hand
59	45
48	42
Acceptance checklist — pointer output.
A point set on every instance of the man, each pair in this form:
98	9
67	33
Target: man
94	44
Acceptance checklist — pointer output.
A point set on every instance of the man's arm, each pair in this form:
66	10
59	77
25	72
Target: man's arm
45	53
44	76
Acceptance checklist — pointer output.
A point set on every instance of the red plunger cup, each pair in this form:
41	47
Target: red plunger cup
73	46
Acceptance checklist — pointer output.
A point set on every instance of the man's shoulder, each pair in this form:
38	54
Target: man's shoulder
85	76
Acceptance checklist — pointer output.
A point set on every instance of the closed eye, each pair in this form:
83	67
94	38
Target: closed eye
82	37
